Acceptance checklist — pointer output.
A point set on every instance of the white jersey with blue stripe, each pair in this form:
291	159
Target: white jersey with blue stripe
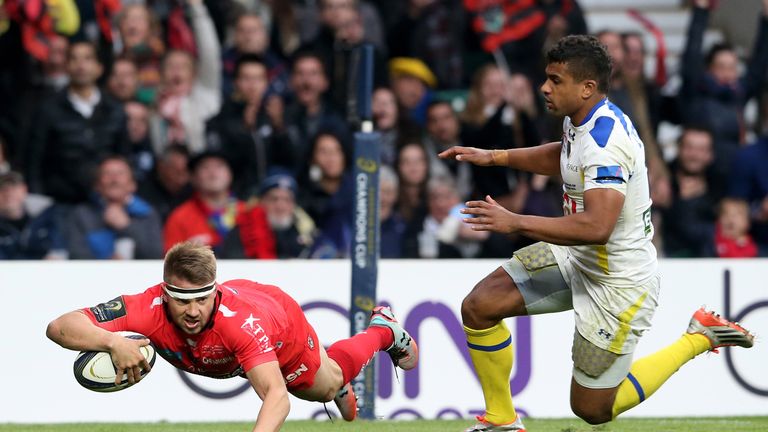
605	151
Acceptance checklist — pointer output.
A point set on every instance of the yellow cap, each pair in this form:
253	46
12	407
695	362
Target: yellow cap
412	67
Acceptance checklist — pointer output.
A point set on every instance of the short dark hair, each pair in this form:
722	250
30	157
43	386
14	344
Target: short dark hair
697	127
717	49
91	45
439	102
113	157
124	59
307	54
586	58
247	59
197	159
175	149
11	178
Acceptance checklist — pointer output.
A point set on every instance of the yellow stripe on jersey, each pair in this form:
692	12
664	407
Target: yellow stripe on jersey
624	319
602	258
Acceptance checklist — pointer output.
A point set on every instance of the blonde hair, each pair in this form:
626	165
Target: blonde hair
191	261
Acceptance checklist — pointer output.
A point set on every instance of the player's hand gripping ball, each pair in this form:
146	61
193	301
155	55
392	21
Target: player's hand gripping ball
95	371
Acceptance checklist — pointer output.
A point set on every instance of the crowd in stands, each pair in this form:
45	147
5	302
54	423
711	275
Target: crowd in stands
129	125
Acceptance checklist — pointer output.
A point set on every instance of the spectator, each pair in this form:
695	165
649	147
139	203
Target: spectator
142	156
214	217
168	186
393	127
294	230
310	111
485	96
644	92
251	38
432	31
123	82
115	224
52	78
713	92
649	108
413	174
289	31
250	130
411	82
326	193
260	8
54	68
334	12
29	228
640	100
392	225
443	235
564	17
190	93
689	221
141	45
74	129
511	98
617	92
341	36
501	113
732	239
749	181
443	132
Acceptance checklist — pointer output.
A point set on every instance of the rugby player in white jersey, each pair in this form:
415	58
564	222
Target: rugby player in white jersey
596	259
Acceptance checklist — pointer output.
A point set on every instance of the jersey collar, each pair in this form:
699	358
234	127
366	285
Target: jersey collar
591	112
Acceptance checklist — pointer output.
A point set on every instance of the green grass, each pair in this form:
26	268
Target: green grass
729	424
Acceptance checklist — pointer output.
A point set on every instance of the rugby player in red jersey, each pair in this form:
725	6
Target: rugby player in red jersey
238	327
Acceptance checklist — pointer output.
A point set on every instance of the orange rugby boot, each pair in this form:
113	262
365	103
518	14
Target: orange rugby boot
484	425
346	402
720	331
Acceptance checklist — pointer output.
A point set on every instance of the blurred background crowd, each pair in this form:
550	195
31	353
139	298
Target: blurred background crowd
127	126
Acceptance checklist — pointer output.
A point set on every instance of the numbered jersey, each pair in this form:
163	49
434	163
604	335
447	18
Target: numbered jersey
606	152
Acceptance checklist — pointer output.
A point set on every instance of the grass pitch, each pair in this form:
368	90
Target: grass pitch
730	424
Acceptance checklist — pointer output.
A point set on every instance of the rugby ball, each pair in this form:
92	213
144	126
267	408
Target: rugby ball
95	371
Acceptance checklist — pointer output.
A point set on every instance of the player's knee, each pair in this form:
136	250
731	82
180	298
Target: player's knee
471	309
592	414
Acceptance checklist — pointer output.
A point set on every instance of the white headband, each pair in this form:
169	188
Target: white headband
189	293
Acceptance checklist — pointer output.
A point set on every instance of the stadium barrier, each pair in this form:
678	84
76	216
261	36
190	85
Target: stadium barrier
38	385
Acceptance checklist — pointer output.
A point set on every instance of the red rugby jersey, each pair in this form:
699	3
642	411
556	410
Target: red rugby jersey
251	324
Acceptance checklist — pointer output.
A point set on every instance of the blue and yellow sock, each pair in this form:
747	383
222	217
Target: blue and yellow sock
492	355
649	373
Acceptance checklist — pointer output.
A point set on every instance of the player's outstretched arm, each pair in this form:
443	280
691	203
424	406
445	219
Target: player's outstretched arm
472	155
75	331
268	382
543	159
